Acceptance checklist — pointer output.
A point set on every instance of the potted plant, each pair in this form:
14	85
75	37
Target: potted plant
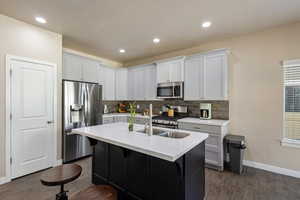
132	111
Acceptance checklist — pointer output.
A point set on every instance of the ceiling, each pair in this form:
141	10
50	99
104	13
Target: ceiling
102	27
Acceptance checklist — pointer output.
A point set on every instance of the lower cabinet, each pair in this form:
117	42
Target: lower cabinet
167	180
214	156
108	120
117	166
137	176
100	164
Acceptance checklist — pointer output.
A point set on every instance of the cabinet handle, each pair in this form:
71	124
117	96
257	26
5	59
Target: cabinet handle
196	128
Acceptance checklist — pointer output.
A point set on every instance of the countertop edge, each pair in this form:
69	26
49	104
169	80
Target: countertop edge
156	154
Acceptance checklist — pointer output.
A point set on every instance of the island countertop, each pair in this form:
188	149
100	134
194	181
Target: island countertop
169	149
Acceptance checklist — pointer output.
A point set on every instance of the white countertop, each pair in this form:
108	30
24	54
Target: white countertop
169	149
212	122
124	114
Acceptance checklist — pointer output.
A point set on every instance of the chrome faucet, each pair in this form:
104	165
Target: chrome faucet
148	125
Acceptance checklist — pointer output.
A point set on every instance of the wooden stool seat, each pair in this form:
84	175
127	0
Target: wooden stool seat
58	176
96	192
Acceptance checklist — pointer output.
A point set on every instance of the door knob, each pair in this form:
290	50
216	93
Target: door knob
50	122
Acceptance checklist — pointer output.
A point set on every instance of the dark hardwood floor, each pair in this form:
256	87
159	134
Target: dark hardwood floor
252	185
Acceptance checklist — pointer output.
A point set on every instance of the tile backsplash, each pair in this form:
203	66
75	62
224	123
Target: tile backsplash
220	109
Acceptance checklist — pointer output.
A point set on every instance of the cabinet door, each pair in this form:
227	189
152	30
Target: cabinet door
176	71
110	84
140	83
194	79
130	84
101	80
121	84
215	76
107	80
90	70
72	67
100	164
117	163
163	72
137	83
167	179
138	184
150	82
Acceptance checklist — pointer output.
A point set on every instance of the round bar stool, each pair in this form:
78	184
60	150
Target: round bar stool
97	192
59	176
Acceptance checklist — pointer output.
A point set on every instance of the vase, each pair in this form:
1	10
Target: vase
130	127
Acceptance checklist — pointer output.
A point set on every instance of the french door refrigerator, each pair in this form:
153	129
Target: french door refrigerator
82	106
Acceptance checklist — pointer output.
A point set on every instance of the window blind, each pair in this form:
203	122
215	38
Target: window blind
292	101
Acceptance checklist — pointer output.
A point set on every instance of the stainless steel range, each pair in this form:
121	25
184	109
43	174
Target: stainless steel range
166	121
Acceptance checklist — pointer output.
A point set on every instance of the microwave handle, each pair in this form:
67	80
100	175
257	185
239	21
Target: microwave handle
173	88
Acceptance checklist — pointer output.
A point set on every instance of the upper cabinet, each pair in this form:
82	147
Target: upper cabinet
79	68
194	78
72	67
90	70
121	84
142	82
106	78
206	76
170	70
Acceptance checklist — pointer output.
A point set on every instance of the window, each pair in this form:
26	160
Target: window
291	71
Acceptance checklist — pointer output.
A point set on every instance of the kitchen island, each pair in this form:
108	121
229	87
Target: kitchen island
143	167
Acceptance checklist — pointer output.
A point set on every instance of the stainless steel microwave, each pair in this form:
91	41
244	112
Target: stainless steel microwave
172	90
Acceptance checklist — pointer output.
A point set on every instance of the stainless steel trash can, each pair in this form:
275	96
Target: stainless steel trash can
234	150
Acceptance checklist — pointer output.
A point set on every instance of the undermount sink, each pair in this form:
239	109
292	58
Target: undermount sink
155	131
177	135
163	133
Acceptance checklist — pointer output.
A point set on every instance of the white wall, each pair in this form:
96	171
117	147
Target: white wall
21	39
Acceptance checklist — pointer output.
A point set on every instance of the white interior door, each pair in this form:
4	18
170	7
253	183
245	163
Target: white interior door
32	130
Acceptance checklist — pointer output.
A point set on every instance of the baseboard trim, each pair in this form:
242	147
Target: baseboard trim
4	180
57	163
271	168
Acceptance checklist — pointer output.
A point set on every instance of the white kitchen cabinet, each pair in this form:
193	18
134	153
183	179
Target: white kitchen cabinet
121	84
90	70
142	82
150	81
194	78
72	67
79	68
106	77
163	72
136	75
206	76
216	68
170	71
214	150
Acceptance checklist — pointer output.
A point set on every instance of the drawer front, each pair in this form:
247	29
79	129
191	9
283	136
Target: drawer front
140	120
212	157
213	140
108	120
120	118
201	128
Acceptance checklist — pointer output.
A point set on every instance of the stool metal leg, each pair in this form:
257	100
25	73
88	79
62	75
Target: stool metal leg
62	195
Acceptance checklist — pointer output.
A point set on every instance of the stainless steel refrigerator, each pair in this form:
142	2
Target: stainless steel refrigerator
82	106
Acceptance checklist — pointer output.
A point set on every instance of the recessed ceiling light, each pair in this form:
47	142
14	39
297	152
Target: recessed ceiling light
122	51
206	24
41	20
156	40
